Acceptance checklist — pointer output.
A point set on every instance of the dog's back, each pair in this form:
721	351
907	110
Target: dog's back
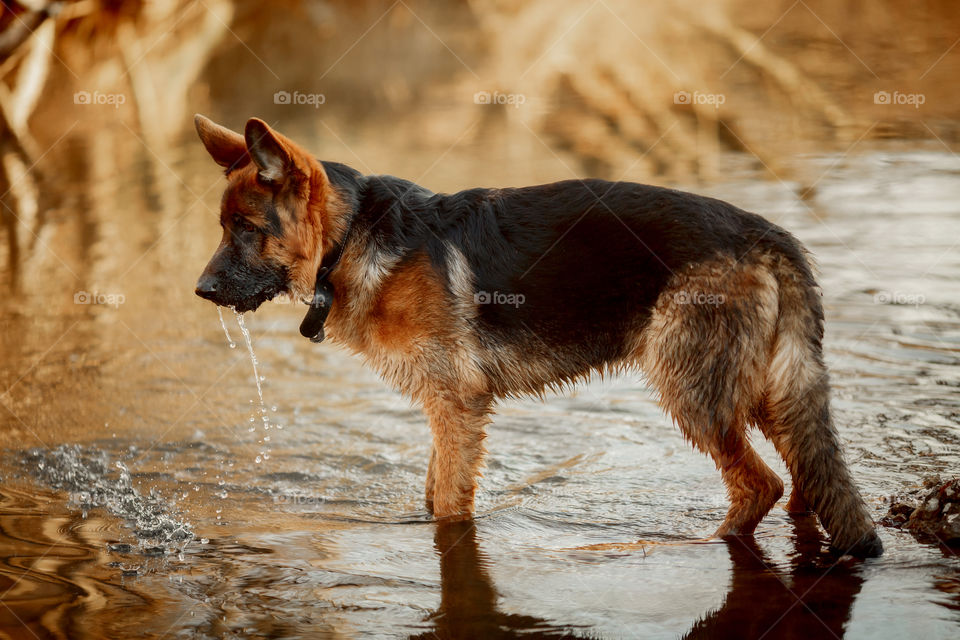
570	273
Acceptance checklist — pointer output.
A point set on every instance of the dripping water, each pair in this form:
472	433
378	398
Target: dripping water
226	332
262	409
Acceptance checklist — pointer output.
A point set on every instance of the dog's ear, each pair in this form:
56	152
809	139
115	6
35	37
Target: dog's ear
272	154
227	148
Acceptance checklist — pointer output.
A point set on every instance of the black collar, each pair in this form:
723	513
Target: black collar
312	325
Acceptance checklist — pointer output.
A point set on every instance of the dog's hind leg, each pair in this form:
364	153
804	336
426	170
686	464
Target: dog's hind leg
752	486
458	425
704	350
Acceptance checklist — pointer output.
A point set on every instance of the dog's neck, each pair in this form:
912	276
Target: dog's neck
386	212
340	190
376	206
324	292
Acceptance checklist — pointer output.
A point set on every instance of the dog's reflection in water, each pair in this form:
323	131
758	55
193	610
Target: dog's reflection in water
467	597
812	599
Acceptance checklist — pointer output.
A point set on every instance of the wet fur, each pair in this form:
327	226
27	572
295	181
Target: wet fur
612	276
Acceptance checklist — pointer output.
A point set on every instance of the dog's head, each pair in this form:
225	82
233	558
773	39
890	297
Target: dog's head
272	214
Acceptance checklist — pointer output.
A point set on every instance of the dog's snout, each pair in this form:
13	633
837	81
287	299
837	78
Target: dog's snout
206	287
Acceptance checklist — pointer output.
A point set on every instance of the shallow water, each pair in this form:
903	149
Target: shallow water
137	497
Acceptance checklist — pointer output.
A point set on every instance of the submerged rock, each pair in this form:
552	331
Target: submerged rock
931	513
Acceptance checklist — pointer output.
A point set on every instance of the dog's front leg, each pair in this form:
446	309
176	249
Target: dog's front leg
457	423
431	478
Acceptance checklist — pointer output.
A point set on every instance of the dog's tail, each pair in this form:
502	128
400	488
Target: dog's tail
796	415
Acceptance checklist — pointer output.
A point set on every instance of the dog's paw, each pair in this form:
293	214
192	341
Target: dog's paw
868	546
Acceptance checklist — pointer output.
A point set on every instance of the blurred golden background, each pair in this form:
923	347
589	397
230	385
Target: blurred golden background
613	88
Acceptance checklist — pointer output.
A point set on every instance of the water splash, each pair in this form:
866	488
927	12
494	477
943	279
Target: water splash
262	409
226	332
93	481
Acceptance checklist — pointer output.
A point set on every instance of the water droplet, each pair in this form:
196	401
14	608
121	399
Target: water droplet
259	459
204	540
273	408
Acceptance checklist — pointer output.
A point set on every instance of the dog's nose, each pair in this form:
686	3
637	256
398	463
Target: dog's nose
206	287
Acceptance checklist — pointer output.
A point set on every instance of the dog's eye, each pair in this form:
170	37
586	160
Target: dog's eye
245	225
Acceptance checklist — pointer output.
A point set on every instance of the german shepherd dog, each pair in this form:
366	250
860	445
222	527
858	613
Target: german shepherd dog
463	299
